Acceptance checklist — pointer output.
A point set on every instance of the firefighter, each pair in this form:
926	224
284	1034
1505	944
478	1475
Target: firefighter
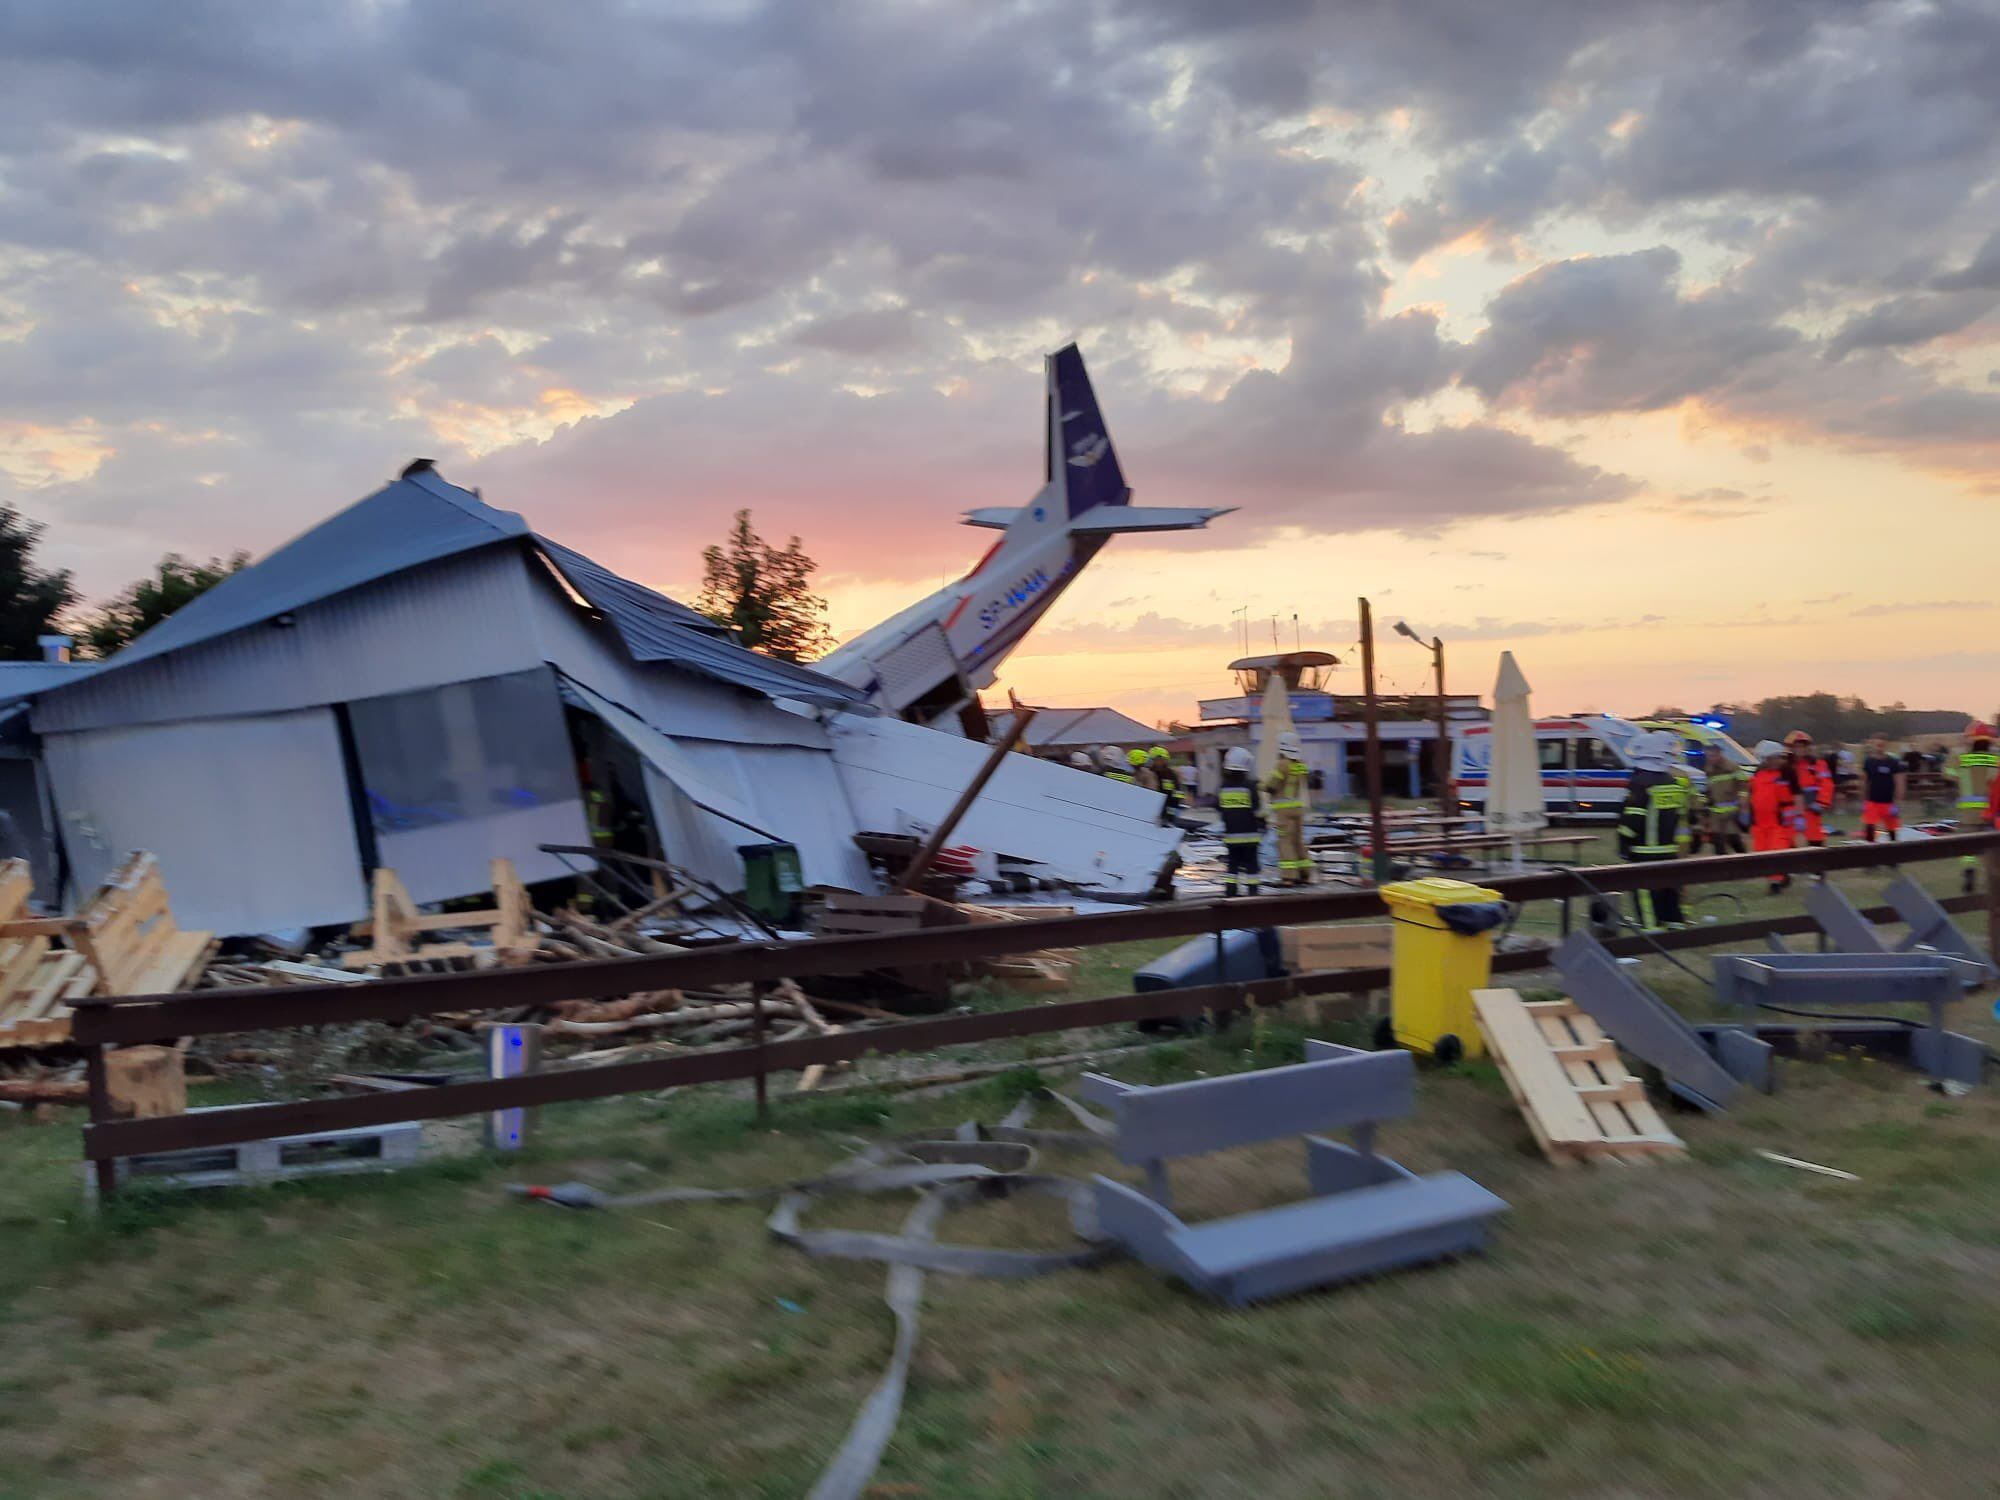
1162	765
1725	789
1285	795
1772	808
1656	803
1812	777
1142	773
1114	766
1080	760
1242	823
1976	767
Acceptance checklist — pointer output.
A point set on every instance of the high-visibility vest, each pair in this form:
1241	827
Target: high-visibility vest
1125	776
1239	815
1975	777
1287	785
1652	815
1723	789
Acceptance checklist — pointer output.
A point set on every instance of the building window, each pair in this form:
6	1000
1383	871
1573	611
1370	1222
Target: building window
468	750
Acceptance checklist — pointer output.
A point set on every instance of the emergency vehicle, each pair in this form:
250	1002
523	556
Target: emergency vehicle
1586	762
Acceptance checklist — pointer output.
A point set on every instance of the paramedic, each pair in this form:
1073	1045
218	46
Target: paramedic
1242	823
1882	787
1813	778
1771	809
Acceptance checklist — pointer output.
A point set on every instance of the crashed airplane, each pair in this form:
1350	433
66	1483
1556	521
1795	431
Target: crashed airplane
928	662
423	682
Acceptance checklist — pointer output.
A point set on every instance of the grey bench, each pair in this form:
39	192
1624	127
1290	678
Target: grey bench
1931	927
1367	1213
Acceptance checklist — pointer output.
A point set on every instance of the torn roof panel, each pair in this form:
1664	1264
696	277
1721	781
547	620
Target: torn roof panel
655	628
412	521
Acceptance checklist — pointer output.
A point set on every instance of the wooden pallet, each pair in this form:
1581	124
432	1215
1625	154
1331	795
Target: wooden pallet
37	980
128	935
1573	1089
396	927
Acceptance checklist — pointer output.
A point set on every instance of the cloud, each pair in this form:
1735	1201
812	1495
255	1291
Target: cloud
1920	607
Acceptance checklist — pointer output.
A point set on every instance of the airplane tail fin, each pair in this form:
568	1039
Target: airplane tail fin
1079	456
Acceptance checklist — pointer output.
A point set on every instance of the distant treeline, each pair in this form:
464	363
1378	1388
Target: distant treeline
1830	718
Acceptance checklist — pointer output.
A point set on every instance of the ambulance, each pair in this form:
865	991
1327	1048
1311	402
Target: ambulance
1586	760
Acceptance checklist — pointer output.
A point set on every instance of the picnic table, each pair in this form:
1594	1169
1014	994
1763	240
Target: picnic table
1477	843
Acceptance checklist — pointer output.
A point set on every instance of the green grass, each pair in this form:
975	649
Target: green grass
1721	1326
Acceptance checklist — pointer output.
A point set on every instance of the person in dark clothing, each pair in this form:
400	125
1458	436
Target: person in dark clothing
1242	823
1656	800
1882	783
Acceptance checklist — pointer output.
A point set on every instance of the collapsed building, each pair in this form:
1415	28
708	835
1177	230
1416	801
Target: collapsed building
423	682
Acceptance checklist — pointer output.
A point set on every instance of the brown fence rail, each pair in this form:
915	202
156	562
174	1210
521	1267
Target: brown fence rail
99	1023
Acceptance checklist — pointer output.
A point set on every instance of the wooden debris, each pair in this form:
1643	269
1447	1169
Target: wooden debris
1349	945
43	1091
145	1082
128	935
396	929
1808	1166
1566	1076
1045	971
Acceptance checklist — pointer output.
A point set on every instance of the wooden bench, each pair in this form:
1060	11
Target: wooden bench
1366	1214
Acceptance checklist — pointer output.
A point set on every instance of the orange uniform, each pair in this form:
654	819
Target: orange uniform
1815	793
1773	812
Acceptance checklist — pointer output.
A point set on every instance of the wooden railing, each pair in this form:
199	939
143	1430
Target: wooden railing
106	1022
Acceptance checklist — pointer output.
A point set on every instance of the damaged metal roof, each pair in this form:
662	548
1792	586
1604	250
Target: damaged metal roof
656	628
419	519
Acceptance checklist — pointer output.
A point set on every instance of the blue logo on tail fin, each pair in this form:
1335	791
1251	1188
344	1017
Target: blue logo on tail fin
1090	463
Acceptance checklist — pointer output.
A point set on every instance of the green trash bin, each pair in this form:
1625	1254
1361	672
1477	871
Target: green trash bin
772	880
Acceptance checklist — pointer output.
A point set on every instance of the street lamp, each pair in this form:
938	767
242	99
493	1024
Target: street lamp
1447	800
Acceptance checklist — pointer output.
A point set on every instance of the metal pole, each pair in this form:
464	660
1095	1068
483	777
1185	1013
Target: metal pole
907	881
1447	798
1372	758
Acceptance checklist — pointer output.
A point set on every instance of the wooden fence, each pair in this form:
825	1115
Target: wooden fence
105	1022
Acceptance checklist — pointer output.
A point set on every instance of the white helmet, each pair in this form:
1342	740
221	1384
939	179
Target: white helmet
1239	759
1657	751
1081	760
1769	750
1110	757
1288	744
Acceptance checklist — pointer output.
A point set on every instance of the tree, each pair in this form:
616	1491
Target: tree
761	592
30	598
174	582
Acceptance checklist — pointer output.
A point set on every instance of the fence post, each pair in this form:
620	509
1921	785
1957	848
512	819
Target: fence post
1992	863
100	1112
757	1031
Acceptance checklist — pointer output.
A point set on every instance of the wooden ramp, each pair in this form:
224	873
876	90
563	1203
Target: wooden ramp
1566	1075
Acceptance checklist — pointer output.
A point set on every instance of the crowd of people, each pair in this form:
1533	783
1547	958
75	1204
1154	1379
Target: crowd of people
1786	801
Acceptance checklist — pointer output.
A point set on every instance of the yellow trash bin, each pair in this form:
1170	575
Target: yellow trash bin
1435	968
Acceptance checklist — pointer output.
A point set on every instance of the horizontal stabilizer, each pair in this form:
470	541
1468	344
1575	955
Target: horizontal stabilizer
1105	519
993	517
1102	520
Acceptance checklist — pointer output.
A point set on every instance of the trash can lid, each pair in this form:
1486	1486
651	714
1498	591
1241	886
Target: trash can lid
1435	891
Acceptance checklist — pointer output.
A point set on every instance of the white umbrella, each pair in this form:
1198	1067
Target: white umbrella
1275	722
1514	804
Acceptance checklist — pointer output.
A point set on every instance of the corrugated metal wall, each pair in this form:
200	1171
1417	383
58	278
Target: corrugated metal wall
461	618
249	816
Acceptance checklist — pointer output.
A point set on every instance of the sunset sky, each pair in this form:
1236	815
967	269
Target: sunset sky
1658	341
